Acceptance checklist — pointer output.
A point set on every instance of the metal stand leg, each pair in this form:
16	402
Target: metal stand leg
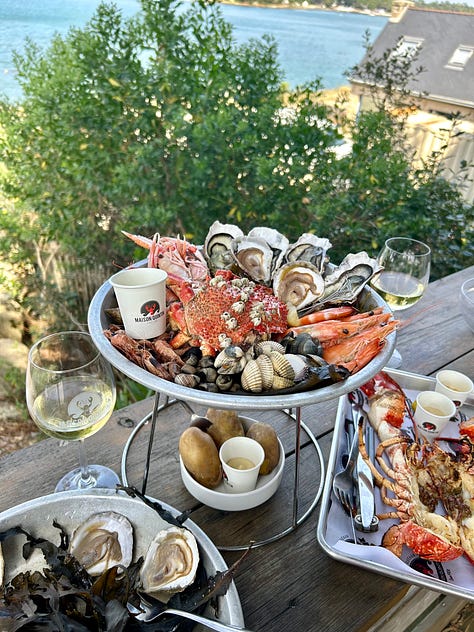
299	425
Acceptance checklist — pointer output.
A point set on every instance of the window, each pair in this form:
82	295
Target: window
460	57
407	46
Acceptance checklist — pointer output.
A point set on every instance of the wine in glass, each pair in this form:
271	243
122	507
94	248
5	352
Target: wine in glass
70	393
403	280
405	274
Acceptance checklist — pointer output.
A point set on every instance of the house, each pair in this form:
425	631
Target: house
444	45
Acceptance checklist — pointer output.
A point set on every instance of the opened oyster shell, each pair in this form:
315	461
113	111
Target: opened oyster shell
171	561
310	248
346	282
217	245
104	540
254	257
298	283
276	241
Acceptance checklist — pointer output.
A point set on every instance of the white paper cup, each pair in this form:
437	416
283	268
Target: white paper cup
241	458
454	385
141	297
433	411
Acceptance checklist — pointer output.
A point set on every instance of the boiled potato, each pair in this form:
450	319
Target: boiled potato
200	456
267	438
225	425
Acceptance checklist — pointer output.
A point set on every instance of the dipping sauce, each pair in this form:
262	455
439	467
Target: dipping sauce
240	463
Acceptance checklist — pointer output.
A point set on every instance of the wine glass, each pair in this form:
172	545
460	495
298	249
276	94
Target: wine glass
405	275
70	393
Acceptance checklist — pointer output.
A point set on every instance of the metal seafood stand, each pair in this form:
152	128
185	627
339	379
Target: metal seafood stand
289	404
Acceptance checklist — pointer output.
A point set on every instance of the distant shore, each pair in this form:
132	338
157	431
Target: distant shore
307	7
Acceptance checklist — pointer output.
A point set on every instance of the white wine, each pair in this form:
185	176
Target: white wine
399	290
74	408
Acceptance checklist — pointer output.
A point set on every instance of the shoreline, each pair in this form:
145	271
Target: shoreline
306	7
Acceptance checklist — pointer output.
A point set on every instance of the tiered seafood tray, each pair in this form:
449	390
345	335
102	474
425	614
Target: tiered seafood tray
213	271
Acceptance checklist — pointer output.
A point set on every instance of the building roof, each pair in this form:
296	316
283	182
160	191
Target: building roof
446	52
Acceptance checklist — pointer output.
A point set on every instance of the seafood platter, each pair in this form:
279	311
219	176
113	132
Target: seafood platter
140	534
253	320
200	467
423	530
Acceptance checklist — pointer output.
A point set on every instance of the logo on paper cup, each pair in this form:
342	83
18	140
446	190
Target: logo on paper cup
149	308
149	311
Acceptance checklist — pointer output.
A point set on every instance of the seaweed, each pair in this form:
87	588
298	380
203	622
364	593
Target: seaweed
64	597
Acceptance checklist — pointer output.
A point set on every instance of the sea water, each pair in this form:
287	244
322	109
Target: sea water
311	43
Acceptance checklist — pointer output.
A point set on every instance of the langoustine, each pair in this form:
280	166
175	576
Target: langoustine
419	476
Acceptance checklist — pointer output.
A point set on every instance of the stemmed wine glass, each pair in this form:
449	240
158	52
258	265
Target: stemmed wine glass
70	393
405	275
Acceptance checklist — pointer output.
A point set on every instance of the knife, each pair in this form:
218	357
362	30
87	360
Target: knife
365	520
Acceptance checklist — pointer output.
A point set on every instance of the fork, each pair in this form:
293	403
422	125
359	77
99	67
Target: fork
152	613
343	482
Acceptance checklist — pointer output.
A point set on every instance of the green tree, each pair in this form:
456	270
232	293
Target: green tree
162	123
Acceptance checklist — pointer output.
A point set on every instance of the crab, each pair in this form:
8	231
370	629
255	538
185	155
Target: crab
225	310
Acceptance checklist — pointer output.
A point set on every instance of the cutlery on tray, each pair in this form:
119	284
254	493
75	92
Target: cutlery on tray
365	519
353	486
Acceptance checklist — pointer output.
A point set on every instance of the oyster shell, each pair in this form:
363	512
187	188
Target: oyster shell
171	561
345	283
254	257
104	540
310	248
298	283
217	245
276	241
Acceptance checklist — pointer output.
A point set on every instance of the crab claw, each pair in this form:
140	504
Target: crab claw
423	542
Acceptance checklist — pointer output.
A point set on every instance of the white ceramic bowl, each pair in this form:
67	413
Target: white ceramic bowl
466	302
220	498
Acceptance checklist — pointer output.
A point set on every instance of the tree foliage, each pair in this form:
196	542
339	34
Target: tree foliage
161	123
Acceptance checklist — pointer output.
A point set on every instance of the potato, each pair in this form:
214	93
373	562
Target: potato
225	425
267	438
200	456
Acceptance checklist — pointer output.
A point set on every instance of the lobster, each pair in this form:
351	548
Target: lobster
417	476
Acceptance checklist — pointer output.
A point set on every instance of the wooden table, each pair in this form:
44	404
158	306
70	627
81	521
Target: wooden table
290	584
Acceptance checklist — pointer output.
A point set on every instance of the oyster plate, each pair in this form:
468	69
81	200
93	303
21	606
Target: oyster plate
71	508
98	321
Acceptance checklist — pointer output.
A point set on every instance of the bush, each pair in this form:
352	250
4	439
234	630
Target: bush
162	123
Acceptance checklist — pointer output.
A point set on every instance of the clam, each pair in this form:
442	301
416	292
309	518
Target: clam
217	245
104	540
2	566
298	283
251	378
309	248
269	371
345	283
171	561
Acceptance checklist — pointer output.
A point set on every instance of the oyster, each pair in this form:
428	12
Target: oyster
345	283
276	241
298	283
171	561
217	245
254	257
104	540
2	566
310	248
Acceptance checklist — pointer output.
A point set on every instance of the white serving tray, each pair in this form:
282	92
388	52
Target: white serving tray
335	533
